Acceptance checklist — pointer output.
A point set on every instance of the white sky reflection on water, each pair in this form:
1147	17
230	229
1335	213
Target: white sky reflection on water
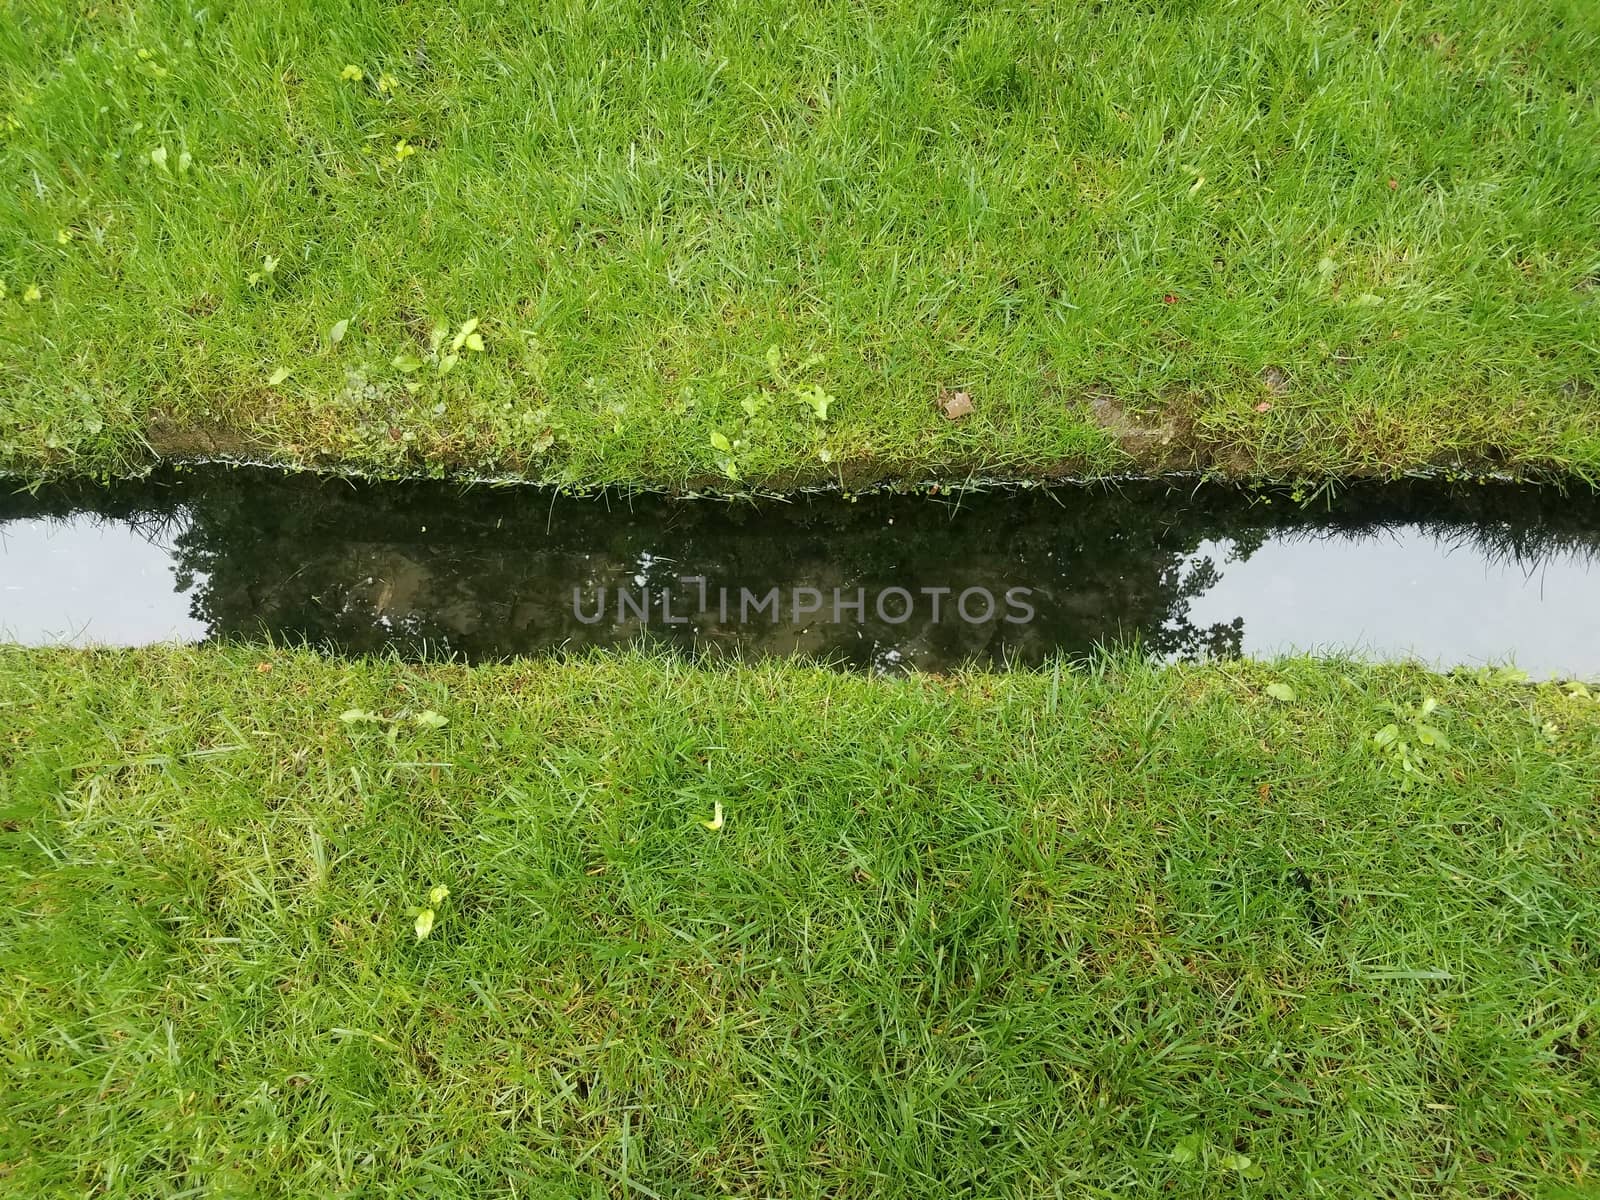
87	582
1404	592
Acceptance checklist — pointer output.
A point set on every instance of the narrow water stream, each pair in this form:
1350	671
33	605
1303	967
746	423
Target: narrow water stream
1449	575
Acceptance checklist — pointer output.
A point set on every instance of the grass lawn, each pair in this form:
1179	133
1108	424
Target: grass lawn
1119	931
752	239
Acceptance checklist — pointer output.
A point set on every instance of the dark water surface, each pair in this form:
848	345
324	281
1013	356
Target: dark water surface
1466	574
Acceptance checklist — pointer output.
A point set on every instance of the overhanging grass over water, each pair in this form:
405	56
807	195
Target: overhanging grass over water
1122	931
1269	237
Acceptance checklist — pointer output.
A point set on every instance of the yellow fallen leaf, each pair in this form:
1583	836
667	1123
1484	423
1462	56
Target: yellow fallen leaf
716	817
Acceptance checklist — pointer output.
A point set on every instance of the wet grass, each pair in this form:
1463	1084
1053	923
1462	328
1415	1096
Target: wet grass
1117	931
1276	237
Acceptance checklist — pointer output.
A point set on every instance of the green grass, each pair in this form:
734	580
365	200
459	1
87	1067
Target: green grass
1103	933
1380	219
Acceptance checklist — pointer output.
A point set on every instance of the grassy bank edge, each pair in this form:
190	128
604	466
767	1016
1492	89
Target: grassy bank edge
945	480
1164	929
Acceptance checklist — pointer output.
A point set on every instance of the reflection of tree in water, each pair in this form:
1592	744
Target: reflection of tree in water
493	572
488	572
